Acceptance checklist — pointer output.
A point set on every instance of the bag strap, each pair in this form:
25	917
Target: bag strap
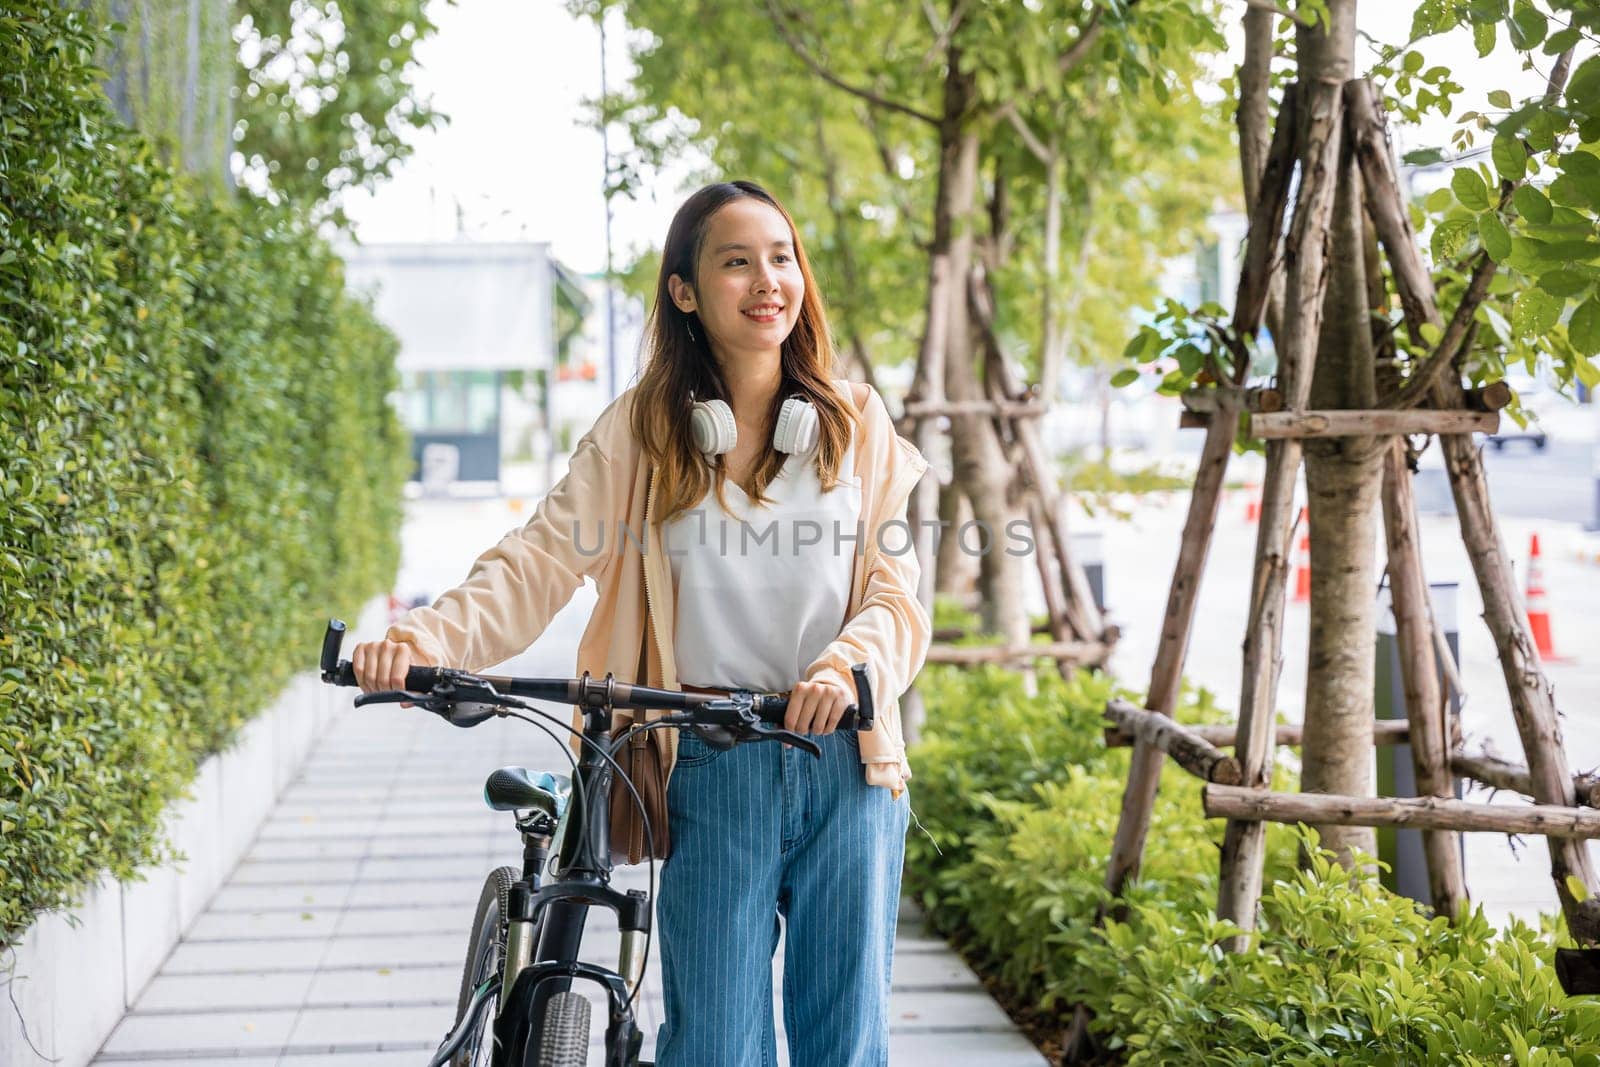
640	677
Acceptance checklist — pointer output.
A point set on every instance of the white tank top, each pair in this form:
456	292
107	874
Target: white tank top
761	591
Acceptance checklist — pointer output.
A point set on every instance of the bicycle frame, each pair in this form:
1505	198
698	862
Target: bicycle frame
558	911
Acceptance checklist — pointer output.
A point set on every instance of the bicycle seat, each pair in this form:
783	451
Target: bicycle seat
514	788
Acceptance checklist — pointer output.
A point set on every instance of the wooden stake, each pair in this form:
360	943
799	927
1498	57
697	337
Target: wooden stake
1191	751
1051	581
1082	652
1205	401
1384	732
1425	705
1144	770
1370	423
1431	813
1497	773
1081	609
1011	409
1266	219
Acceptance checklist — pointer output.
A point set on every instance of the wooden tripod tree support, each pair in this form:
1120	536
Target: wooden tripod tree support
1311	124
1080	634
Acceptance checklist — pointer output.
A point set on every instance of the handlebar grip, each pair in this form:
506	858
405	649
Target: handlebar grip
336	671
773	709
332	641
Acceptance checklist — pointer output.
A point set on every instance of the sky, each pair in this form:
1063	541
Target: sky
516	161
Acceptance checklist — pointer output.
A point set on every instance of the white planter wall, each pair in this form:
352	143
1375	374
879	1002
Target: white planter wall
74	974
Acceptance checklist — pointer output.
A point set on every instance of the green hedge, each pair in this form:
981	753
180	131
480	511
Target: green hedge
197	465
1020	797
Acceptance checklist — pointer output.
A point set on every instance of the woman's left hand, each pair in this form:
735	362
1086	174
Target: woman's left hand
815	707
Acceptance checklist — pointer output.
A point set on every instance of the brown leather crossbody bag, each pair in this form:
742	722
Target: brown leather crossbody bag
643	760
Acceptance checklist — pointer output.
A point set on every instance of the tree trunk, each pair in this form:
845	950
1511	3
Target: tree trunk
978	462
1343	477
958	571
1319	115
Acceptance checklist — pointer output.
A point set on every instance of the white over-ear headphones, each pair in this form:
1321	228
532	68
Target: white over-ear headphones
711	423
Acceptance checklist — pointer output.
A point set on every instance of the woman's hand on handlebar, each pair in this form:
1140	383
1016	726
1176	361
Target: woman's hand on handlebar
381	666
815	707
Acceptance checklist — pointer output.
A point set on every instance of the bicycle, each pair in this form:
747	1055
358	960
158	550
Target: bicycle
525	933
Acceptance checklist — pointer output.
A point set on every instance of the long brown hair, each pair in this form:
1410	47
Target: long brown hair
680	369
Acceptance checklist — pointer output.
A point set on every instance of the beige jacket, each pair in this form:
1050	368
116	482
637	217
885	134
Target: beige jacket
515	588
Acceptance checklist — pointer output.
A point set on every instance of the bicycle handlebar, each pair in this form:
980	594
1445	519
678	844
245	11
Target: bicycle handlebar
586	691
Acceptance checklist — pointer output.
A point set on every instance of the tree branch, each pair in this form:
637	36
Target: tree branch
1454	341
1091	33
942	36
1009	112
833	79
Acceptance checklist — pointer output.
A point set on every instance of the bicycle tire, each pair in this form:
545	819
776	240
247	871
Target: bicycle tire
486	952
565	1041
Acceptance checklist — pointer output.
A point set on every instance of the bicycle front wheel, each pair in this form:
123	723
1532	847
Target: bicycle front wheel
486	954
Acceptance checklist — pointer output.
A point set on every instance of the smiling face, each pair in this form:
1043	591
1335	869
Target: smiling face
748	290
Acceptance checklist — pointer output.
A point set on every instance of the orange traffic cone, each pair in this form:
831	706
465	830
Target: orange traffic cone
1538	614
1252	504
1302	562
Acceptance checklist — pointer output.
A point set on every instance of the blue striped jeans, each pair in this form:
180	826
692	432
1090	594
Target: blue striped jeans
762	831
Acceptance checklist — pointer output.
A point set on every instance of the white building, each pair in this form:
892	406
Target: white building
502	352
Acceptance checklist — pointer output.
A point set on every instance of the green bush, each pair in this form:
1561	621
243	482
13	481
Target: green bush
1019	798
1342	971
197	464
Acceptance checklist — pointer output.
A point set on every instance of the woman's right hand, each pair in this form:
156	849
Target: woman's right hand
382	665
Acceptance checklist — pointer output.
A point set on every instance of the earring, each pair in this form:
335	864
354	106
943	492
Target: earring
690	327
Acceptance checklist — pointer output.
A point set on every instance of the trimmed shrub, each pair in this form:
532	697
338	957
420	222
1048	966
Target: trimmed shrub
1019	798
197	462
1342	971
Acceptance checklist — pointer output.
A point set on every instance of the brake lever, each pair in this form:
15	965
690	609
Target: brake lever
392	696
778	733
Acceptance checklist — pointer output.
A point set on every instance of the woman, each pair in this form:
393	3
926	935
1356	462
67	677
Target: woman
785	558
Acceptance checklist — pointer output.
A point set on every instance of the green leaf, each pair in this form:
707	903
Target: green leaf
1527	27
1534	313
1422	157
1499	98
1583	88
1589	374
1580	161
1562	40
1494	235
1438	200
1541	131
1510	158
1412	62
1532	204
1483	37
1450	237
1124	378
1469	188
1575	886
1576	190
1583	329
1563	283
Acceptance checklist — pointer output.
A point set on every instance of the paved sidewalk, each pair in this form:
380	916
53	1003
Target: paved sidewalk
340	938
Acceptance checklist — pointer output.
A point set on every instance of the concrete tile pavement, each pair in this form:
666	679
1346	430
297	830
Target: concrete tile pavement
341	936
